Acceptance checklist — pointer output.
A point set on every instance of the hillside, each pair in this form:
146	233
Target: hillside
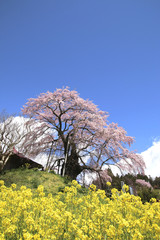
32	178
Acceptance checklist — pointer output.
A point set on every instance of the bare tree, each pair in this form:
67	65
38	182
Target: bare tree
12	135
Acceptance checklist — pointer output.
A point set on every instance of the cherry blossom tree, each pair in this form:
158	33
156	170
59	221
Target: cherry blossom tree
143	183
77	135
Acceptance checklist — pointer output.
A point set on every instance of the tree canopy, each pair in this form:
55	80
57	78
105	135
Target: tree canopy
77	135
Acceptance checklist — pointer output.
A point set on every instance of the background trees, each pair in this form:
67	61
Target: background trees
141	185
12	135
77	136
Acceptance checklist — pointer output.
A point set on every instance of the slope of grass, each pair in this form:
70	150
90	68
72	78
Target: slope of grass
32	178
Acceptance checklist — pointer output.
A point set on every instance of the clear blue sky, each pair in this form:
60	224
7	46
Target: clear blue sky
107	50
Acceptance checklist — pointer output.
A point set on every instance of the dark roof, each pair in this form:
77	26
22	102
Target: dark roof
17	160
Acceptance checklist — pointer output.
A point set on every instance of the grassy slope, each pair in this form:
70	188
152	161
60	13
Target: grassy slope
31	178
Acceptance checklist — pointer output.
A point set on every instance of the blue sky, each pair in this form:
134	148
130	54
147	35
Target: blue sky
109	51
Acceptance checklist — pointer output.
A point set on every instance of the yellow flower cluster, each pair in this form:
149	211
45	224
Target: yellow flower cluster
70	216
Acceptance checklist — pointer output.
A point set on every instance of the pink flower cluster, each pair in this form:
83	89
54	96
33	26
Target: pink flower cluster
143	183
104	175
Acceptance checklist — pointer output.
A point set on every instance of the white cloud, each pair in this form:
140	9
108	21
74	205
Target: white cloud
41	159
152	159
151	156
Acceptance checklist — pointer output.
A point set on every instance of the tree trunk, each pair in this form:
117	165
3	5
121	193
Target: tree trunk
73	168
3	160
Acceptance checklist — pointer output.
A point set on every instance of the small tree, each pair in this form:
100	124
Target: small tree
11	136
16	133
102	178
78	135
144	183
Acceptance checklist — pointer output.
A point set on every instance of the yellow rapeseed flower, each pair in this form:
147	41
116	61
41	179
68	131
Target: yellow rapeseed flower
33	216
108	184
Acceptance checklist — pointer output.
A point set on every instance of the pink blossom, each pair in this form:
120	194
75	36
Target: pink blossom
143	183
78	124
105	176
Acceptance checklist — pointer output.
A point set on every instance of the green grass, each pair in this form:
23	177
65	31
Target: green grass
32	178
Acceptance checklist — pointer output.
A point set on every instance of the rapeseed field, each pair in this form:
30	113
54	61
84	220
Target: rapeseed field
26	215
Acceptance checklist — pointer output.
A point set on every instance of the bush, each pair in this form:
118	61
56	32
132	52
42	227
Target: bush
146	194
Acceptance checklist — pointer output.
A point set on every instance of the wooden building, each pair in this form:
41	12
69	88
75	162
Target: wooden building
17	160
